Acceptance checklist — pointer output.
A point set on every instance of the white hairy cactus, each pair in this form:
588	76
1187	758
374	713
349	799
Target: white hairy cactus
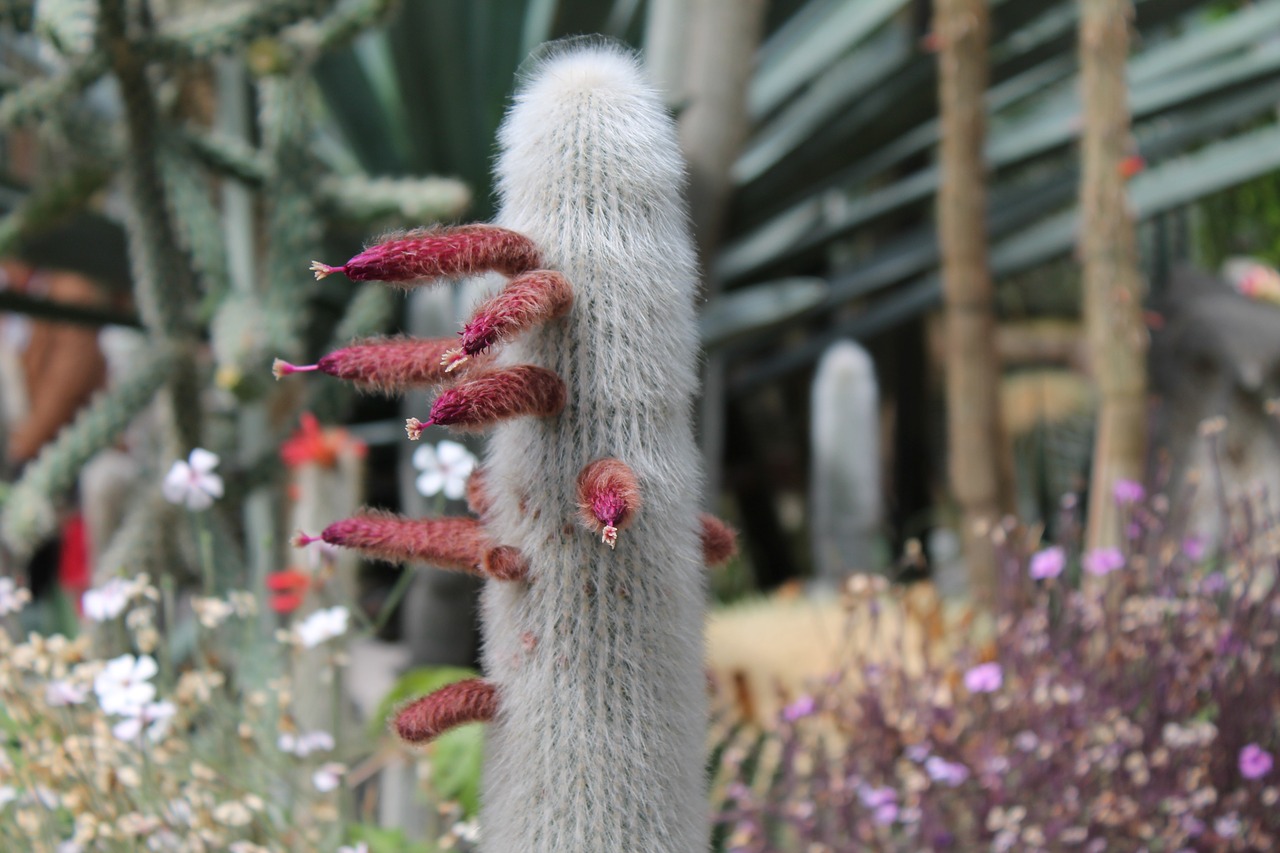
589	533
846	507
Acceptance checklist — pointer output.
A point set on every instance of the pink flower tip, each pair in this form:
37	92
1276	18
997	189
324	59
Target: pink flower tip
984	678
1255	762
609	536
322	270
414	427
453	359
281	368
1047	563
302	540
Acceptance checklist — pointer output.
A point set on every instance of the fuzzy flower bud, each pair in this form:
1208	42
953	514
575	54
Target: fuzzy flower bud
428	254
470	701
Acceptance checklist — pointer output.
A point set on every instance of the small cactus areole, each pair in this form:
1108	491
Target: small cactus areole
598	746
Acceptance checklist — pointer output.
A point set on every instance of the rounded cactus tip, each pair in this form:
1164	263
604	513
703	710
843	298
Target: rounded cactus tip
322	270
281	368
414	427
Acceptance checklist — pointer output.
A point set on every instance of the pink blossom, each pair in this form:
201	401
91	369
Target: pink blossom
1047	563
1255	762
1103	561
984	678
1128	492
1194	548
805	706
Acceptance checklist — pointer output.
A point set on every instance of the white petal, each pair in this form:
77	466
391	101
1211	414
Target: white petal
210	484
145	668
128	729
203	461
455	487
176	483
198	501
430	483
424	458
452	454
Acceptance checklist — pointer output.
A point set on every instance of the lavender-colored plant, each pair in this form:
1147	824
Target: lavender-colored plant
589	533
1128	702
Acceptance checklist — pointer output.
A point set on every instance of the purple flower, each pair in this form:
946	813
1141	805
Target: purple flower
984	678
874	798
1047	563
1103	561
1255	762
947	772
1128	491
886	814
802	707
1194	548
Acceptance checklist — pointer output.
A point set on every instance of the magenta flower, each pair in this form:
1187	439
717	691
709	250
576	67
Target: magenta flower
984	678
805	706
1047	563
1255	762
1103	561
1128	492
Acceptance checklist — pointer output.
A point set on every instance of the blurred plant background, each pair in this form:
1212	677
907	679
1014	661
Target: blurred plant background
170	168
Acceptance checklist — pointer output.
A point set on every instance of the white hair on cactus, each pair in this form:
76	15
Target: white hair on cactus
598	741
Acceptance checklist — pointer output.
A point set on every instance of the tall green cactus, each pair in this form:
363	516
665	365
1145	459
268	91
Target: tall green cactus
589	534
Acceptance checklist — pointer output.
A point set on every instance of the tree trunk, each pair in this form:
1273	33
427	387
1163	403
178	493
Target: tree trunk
980	467
1112	281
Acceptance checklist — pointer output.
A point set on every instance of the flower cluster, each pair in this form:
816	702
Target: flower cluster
1128	702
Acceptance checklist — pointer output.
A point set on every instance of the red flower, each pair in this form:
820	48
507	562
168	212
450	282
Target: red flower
313	443
287	588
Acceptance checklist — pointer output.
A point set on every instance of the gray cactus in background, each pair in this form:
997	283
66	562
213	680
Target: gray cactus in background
846	504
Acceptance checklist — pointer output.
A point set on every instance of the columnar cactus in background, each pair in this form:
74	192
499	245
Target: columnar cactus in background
588	532
846	506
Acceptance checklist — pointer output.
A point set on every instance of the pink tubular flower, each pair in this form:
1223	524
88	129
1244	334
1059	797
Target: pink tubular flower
452	543
440	252
494	396
1128	492
1103	561
1047	563
984	678
1255	762
386	365
532	298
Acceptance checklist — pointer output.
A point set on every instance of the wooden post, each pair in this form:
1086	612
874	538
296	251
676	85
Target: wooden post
1112	281
978	458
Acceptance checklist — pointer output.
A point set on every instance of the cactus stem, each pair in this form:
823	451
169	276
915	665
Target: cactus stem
471	701
281	368
324	270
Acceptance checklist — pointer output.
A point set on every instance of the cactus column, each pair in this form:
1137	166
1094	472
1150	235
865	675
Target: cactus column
589	532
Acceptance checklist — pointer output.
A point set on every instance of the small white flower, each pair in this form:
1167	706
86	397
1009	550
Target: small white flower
328	777
211	612
445	467
467	830
123	686
70	846
361	847
12	596
193	482
154	715
322	625
59	694
305	743
8	794
107	601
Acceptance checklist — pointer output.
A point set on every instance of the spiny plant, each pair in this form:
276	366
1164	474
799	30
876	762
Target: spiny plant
588	529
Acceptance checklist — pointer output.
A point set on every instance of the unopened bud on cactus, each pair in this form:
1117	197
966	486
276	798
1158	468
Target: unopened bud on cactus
470	701
595	695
